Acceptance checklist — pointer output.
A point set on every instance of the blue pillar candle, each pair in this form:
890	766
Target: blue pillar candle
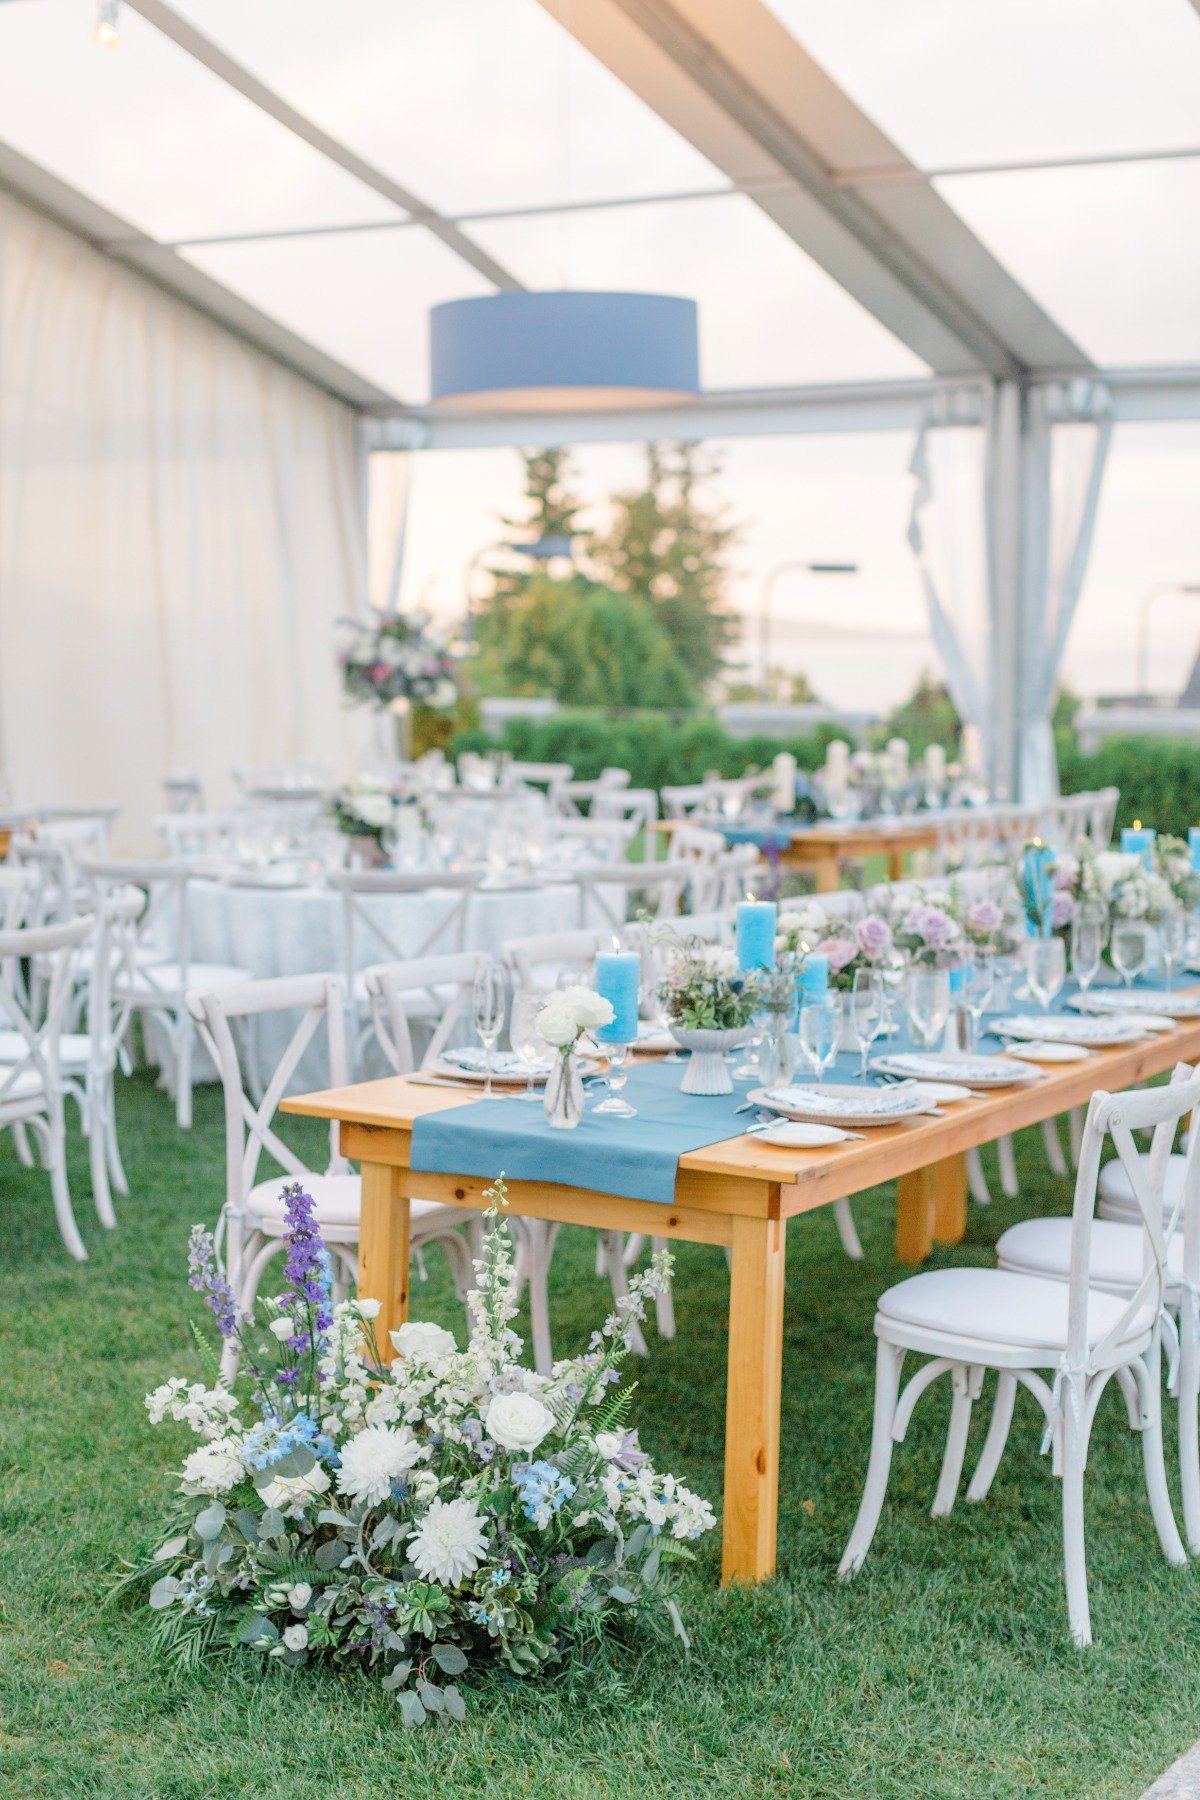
814	978
618	974
756	934
1194	845
1138	840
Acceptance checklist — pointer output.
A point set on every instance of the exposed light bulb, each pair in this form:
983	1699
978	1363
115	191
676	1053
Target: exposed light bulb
105	32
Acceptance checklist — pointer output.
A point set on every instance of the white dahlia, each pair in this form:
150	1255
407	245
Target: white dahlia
373	1460
214	1468
450	1544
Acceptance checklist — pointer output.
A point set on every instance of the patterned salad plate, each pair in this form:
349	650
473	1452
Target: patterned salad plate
1052	1028
1175	1006
970	1071
833	1104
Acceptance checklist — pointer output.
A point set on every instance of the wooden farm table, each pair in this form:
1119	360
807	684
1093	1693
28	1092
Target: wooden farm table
822	849
739	1193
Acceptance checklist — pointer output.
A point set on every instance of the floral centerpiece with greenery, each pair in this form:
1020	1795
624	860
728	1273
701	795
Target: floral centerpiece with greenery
1173	862
1130	890
417	1521
929	935
847	945
704	990
393	658
363	809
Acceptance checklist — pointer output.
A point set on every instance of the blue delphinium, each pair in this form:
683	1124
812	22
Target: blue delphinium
205	1278
541	1489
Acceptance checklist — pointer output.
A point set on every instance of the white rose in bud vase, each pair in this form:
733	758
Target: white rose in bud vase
518	1421
587	1007
557	1025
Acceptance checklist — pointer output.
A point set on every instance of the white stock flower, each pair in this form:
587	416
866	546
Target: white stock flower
423	1341
299	1596
557	1025
450	1543
288	1491
373	1460
295	1637
518	1421
214	1468
368	1309
281	1328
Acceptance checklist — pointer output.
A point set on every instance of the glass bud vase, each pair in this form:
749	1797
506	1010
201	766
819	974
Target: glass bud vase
564	1093
776	1053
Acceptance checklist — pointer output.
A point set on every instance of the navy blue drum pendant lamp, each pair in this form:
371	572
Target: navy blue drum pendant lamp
563	352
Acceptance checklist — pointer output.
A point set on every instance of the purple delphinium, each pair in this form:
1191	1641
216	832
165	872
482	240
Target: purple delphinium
307	1266
205	1278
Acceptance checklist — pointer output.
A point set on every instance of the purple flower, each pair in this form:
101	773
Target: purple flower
929	923
205	1278
840	951
1063	910
984	918
874	937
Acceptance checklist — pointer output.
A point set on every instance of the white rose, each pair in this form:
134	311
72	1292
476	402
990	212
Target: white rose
1114	865
288	1491
299	1596
609	1444
372	809
587	1006
296	1637
282	1328
423	1341
557	1025
518	1421
368	1309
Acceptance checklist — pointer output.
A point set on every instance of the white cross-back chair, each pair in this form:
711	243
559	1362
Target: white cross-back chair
600	838
31	1087
253	1218
1062	1340
538	774
569	798
639	806
184	790
153	965
607	891
194	833
539	960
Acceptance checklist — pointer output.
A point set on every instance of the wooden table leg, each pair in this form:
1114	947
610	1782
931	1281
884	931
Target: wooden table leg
914	1215
950	1199
895	861
383	1248
752	1399
828	874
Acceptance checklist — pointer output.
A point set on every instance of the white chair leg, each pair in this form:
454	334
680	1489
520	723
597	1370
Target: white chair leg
1127	1382
1075	1133
1154	1464
976	1179
183	1073
996	1439
53	1146
847	1231
1189	1439
116	1167
1054	1149
635	1243
98	1162
664	1303
1008	1167
539	1235
956	1442
1074	1558
21	1145
614	1256
889	1360
601	1264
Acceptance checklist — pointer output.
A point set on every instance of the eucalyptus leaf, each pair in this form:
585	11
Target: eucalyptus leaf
623	1594
430	1697
449	1659
173	1547
456	1706
651	1565
258	1631
384	1532
396	1678
272	1524
163	1592
678	1625
411	1710
330	1555
327	1516
299	1461
247	1523
211	1522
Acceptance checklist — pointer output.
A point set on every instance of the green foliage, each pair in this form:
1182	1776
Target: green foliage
1159	778
928	716
581	643
654	747
551	510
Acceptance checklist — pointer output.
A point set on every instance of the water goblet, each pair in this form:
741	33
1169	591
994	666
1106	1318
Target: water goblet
1087	941
1127	947
616	1052
893	968
488	1002
866	1013
1046	969
524	1036
750	1068
1172	938
979	980
819	1035
928	1000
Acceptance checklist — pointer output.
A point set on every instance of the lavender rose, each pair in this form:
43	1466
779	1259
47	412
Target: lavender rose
840	951
929	923
1063	910
874	937
984	918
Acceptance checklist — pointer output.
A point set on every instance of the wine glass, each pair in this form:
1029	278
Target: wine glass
524	1036
1172	937
928	1000
488	999
1127	947
1087	941
750	1068
979	979
616	1051
819	1035
866	1012
1046	969
893	967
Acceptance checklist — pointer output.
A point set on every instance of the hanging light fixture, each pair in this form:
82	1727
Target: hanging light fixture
563	352
104	31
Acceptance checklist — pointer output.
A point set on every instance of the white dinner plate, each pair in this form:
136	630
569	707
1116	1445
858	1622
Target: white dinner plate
1085	1028
834	1104
793	1134
1054	1053
1175	1006
973	1071
469	1064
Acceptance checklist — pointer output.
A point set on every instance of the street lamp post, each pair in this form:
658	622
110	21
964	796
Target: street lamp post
764	608
1143	629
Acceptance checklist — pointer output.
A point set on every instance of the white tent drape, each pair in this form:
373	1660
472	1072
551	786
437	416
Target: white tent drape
181	523
1001	525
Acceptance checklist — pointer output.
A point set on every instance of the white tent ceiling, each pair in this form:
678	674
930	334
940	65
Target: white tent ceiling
864	198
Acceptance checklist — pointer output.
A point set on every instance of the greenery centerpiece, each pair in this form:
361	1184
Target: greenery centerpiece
413	1521
394	664
709	1003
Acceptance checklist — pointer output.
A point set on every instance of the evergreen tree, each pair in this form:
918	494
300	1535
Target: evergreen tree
551	511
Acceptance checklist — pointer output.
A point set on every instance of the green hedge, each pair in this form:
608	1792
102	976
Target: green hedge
1159	778
657	748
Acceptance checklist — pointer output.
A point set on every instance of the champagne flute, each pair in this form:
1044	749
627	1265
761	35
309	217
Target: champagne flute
488	1001
1172	936
1087	941
928	1004
524	1036
1127	947
818	1035
979	979
866	1013
1046	969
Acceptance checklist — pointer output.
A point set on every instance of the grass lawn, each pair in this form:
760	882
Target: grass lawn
945	1670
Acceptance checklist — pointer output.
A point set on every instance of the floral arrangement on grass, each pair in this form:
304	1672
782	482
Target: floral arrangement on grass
704	990
415	1521
394	658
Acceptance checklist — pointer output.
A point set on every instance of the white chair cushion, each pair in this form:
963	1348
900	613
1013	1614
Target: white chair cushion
1116	1191
1043	1247
337	1201
1019	1311
74	1048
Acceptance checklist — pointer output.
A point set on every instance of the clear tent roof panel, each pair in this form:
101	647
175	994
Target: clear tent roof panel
154	137
964	81
472	104
768	314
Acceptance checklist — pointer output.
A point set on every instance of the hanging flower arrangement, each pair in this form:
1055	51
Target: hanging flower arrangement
397	658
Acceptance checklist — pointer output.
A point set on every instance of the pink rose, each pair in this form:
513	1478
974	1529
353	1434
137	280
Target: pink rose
874	937
1062	912
985	917
931	924
840	951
